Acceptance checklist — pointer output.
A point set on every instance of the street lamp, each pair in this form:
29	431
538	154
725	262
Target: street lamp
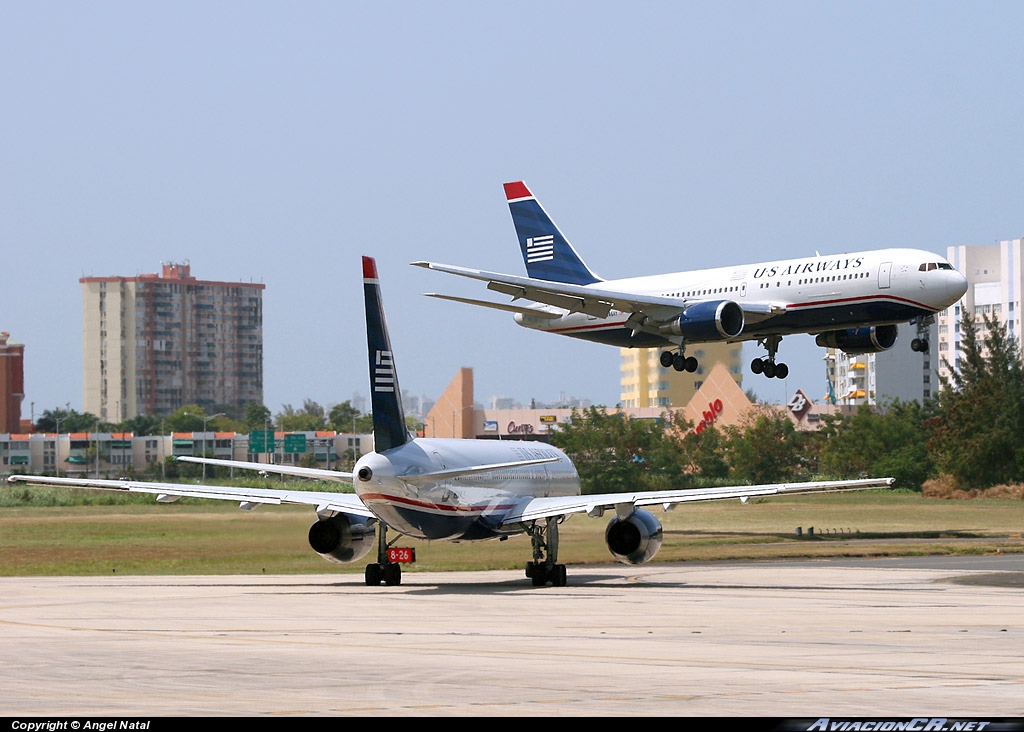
56	445
163	451
205	420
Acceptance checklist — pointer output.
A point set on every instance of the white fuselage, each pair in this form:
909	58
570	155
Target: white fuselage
811	295
467	507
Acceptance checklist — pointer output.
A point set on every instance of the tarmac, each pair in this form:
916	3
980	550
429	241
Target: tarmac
802	640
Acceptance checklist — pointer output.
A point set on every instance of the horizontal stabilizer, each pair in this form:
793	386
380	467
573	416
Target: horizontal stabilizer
317	473
495	305
439	475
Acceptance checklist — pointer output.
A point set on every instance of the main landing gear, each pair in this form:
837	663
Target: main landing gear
390	573
678	361
767	366
545	569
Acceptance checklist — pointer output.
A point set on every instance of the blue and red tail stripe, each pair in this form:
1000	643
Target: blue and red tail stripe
548	255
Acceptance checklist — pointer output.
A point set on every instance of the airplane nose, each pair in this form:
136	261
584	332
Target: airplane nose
956	286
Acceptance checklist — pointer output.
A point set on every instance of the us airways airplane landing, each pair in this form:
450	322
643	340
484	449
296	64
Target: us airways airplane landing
853	301
449	489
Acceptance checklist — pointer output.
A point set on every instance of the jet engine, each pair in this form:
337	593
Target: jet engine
717	320
342	538
859	340
634	539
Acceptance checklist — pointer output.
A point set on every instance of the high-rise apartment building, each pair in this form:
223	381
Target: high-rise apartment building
646	383
12	383
155	342
995	278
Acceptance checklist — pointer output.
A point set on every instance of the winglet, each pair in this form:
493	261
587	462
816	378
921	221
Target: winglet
389	429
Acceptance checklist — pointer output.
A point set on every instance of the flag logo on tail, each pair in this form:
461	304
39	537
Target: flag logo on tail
384	373
540	248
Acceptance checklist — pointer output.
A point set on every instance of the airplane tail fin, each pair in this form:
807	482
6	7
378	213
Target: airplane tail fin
547	253
389	429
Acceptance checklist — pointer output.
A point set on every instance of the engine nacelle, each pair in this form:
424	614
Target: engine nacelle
860	340
343	538
717	320
635	539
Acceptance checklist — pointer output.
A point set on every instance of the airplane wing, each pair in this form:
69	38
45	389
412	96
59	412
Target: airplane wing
595	505
589	299
325	502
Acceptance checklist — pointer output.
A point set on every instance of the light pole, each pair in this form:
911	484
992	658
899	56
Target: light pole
205	420
163	452
56	445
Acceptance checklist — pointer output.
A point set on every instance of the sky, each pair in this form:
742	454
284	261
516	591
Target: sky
277	142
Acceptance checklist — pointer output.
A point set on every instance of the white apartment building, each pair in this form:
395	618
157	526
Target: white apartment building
876	378
995	279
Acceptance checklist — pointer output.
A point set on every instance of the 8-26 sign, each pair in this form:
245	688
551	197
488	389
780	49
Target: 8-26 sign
401	555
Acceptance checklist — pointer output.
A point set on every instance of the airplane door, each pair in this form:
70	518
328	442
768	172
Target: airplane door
884	272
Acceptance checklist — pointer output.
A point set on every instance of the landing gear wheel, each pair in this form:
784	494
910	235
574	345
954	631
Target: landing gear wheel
691	364
374	574
679	362
768	369
545	568
756	366
666	359
392	574
781	371
541	574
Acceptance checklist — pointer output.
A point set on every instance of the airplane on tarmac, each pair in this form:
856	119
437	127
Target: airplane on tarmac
449	489
853	302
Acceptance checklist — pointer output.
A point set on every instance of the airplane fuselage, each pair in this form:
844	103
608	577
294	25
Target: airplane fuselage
811	295
468	507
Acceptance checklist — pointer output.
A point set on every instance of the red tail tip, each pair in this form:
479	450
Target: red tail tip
369	268
517	189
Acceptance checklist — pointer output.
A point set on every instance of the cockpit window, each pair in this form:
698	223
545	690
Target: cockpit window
929	266
945	265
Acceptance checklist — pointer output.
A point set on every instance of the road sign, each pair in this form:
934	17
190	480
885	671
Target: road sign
294	443
261	441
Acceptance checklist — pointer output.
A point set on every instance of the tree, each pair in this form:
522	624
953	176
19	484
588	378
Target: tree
310	418
975	437
342	417
888	442
615	454
66	420
144	424
257	416
766	448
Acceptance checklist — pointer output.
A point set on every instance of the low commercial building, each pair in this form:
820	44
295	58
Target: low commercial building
105	454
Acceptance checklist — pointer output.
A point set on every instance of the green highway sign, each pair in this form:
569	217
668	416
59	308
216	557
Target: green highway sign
261	441
294	443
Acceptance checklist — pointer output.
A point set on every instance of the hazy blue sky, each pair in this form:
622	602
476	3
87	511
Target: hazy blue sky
279	141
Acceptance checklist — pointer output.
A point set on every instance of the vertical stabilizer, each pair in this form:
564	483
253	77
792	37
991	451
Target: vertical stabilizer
389	428
547	253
